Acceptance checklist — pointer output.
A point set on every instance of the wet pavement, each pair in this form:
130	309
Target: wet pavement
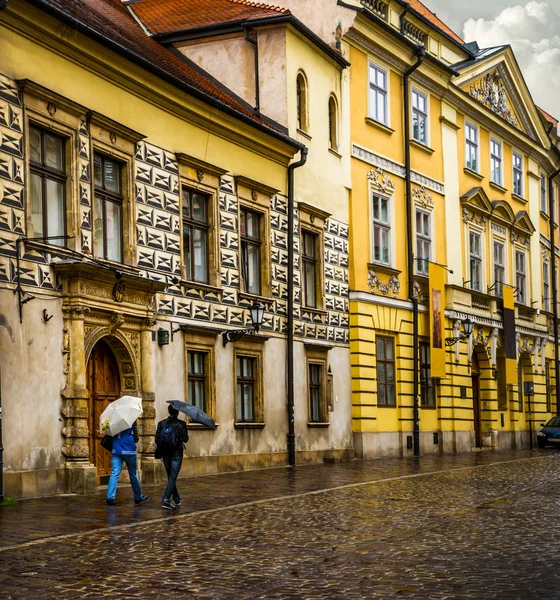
481	525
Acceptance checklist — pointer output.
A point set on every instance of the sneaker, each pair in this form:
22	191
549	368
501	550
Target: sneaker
177	501
141	499
167	504
111	502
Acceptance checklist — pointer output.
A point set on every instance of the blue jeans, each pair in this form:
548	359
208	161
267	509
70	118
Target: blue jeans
116	467
172	464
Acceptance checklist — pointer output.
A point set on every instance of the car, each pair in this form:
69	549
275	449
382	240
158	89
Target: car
549	435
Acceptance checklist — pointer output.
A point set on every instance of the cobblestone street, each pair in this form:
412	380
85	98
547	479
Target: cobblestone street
481	525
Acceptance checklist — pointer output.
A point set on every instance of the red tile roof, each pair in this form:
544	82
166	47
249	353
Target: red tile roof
434	20
548	117
112	20
163	16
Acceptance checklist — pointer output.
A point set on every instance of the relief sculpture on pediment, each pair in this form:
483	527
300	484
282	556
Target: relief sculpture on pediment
491	92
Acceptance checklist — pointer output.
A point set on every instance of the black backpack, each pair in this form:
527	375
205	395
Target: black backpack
169	438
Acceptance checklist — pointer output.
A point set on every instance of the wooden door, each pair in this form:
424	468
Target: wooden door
475	372
104	387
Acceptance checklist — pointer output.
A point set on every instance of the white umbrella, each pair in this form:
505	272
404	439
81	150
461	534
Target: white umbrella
120	415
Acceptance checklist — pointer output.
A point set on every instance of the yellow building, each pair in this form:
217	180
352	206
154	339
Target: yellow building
449	218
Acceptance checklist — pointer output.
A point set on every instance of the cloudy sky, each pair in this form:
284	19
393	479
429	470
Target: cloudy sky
532	28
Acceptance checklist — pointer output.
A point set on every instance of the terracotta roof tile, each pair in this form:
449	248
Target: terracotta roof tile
434	20
548	117
112	19
162	16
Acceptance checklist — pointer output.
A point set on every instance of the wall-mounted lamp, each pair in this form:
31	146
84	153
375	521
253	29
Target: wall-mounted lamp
162	337
257	315
468	328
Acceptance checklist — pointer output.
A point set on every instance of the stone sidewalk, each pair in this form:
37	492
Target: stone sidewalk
37	519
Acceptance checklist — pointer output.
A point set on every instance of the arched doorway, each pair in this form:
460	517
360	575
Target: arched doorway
475	374
104	386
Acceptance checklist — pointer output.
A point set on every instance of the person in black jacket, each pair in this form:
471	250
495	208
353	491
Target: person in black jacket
171	434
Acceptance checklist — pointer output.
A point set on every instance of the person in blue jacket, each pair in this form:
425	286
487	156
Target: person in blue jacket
124	450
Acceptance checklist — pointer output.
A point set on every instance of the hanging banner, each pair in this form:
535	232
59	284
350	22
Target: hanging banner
437	307
509	335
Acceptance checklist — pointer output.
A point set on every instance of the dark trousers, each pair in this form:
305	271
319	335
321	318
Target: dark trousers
172	464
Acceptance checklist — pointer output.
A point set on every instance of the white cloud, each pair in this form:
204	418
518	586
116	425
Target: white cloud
533	32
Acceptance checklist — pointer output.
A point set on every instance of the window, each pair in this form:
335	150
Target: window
381	230
378	87
301	92
246	388
47	184
544	207
196	363
423	242
427	391
548	386
385	372
499	268
471	147
419	117
315	393
309	259
517	174
333	125
107	209
250	251
520	276
195	235
546	286
475	257
495	161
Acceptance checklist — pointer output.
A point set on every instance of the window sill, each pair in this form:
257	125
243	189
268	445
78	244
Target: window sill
519	198
317	425
303	133
379	125
422	277
421	146
545	215
474	174
498	187
335	152
316	311
252	297
248	425
194	426
379	268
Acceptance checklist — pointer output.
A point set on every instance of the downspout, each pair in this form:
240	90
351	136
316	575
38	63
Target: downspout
421	53
3	4
255	44
553	226
402	17
290	324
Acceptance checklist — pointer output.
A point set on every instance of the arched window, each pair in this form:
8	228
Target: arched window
333	124
301	90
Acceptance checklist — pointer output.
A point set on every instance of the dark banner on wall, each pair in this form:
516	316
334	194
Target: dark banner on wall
509	335
437	307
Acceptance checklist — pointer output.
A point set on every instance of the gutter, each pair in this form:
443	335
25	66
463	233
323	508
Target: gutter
144	63
290	318
421	54
552	226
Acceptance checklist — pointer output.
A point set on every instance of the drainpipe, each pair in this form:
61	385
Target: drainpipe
255	44
290	324
421	54
402	17
3	4
553	226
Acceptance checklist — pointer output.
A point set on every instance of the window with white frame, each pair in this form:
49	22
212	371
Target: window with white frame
544	207
517	174
475	258
495	161
423	241
471	147
381	230
419	117
499	268
520	276
546	286
378	88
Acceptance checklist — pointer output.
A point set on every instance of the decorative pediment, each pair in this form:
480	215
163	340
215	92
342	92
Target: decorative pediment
502	213
381	180
477	200
490	90
523	223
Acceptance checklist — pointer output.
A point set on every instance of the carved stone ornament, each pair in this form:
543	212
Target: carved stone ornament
418	293
481	339
254	195
381	180
545	254
116	322
113	137
491	92
422	197
474	219
119	290
516	238
199	174
51	109
393	285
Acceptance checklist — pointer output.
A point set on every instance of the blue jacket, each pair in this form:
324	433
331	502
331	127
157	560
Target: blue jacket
123	442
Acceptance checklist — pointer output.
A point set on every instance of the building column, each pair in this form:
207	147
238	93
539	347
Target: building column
81	475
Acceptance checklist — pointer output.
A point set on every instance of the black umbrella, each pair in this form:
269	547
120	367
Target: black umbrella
193	412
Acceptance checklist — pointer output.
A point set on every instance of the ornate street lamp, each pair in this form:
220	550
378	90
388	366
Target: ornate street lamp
257	315
468	328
